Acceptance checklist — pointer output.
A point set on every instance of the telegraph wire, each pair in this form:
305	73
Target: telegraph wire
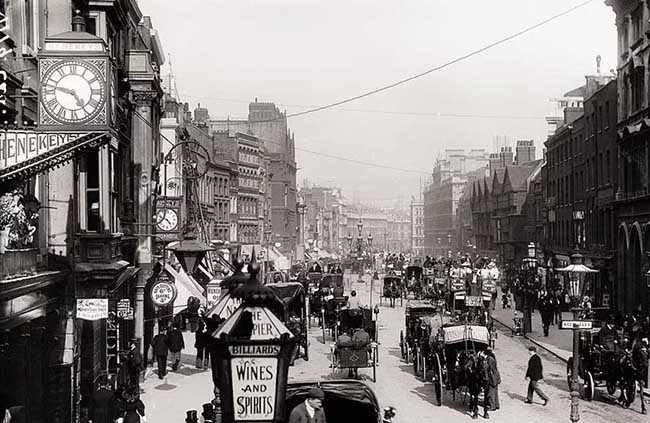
385	112
317	153
432	70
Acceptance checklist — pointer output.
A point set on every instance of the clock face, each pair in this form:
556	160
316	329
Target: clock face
73	92
167	220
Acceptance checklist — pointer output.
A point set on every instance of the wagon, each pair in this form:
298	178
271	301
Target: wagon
295	313
356	356
415	309
596	369
450	348
393	288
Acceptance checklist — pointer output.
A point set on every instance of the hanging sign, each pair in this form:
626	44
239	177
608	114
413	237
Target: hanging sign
213	293
163	291
92	308
576	324
254	388
123	307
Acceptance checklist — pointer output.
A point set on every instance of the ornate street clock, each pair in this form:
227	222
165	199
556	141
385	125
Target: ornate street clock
168	218
76	81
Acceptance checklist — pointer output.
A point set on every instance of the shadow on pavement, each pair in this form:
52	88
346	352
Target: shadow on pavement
165	387
189	371
518	397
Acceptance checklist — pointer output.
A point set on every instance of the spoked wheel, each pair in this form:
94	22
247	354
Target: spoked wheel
589	386
401	344
416	359
424	368
437	378
569	372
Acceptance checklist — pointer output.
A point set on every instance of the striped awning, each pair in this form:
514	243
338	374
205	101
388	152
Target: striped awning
54	157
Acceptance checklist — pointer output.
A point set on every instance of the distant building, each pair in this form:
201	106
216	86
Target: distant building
441	198
269	125
201	115
417	227
525	151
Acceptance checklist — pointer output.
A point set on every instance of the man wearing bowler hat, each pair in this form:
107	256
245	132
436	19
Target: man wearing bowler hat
310	411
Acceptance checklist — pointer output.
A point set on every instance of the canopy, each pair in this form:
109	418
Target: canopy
186	287
345	400
287	291
463	333
577	268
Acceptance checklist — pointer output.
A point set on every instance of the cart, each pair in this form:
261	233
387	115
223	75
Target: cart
295	313
409	337
393	289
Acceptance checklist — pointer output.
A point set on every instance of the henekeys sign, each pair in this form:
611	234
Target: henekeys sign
19	146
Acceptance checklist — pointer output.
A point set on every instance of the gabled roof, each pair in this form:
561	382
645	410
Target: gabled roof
518	175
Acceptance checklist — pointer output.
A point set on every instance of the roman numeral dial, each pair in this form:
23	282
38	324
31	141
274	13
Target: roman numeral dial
73	91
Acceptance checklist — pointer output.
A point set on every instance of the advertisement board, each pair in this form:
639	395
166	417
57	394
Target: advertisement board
254	383
92	308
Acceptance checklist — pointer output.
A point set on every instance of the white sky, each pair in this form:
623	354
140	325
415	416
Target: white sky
307	52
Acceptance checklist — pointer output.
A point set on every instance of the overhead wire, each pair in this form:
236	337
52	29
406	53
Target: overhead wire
386	112
434	69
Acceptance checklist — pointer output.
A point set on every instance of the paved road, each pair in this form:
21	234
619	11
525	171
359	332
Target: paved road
396	385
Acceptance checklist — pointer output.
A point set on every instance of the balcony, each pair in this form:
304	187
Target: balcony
100	247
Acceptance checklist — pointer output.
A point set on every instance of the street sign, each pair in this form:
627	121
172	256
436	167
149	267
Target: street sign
123	308
473	301
576	324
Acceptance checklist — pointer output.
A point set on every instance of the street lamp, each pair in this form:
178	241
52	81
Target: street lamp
189	252
360	226
577	271
530	285
349	238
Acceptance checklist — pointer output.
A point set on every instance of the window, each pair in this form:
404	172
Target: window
623	36
638	87
29	15
637	24
97	187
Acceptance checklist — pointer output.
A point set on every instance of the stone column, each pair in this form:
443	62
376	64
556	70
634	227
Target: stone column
143	136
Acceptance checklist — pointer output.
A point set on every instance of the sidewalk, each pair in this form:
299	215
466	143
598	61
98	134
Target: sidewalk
558	342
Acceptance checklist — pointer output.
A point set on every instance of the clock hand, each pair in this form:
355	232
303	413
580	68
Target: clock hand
66	90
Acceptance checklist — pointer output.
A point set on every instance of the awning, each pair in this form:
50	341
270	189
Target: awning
127	274
186	286
66	148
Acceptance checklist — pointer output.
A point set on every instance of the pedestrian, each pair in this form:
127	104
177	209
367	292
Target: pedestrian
310	411
546	310
176	346
494	380
202	356
134	364
534	374
133	407
559	299
102	404
160	344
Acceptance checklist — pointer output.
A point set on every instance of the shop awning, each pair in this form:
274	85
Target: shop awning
126	274
26	154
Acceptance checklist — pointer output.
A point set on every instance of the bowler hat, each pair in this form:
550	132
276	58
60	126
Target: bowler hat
316	393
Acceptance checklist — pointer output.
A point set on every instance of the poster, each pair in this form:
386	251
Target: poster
254	382
92	308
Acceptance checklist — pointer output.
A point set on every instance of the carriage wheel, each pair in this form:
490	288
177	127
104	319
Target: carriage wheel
437	384
323	323
416	359
374	365
401	344
569	372
589	386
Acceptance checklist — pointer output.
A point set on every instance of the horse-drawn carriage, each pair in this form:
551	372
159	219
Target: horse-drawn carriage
410	336
345	400
393	289
295	313
599	367
353	354
413	279
452	357
275	277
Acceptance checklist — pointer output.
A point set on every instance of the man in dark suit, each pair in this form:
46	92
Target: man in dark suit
102	407
534	374
310	411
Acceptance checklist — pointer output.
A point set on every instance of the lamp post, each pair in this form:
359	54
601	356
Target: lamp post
439	247
372	278
530	285
577	271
